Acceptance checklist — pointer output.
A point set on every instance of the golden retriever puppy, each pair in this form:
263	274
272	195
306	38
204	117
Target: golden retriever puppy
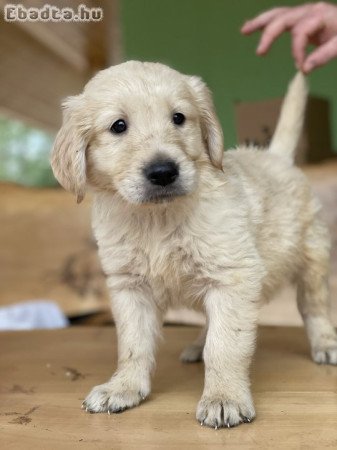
178	221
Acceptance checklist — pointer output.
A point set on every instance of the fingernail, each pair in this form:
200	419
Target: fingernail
259	50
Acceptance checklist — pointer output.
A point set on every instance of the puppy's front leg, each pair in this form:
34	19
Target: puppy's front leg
137	323
230	342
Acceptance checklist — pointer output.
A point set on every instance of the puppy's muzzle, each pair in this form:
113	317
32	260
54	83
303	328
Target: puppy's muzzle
162	173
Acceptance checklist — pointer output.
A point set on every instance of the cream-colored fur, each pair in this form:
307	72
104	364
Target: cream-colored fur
231	229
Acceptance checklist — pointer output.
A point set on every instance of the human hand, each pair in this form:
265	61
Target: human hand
311	23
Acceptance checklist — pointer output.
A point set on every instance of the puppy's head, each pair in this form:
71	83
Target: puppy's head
139	129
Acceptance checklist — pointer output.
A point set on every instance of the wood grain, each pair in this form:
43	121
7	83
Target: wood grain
46	374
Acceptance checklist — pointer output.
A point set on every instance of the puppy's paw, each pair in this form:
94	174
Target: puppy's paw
107	398
191	354
326	355
324	350
217	412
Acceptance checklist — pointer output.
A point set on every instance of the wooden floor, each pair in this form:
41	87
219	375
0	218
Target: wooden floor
44	376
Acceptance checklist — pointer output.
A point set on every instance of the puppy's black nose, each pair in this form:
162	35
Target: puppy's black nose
162	173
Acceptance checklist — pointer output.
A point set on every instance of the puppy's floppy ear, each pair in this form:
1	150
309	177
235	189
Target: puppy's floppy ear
210	124
68	159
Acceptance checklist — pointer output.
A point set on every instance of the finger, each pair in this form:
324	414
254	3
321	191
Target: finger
301	36
261	20
274	30
321	55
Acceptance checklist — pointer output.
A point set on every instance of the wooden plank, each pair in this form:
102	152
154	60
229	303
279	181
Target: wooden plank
81	45
41	63
113	31
33	80
60	44
68	40
46	374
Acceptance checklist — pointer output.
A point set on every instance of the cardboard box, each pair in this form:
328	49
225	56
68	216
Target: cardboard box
256	122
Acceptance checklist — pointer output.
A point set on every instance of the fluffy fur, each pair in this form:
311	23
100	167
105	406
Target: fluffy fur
231	230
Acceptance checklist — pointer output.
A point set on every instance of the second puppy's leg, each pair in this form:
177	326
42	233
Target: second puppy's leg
137	324
193	352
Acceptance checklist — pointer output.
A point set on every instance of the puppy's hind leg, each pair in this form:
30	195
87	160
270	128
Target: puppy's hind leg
313	296
193	352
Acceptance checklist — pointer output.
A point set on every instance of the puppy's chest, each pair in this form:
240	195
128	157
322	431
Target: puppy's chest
169	258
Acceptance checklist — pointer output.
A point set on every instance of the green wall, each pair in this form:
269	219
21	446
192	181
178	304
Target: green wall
202	37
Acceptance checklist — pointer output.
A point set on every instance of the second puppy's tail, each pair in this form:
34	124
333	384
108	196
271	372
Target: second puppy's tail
290	123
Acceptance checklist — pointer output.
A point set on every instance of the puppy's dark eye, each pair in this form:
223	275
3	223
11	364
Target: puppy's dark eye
178	118
119	126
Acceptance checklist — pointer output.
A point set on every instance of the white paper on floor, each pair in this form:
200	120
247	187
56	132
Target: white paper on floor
32	315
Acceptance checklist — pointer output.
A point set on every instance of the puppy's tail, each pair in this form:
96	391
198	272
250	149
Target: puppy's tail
290	123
